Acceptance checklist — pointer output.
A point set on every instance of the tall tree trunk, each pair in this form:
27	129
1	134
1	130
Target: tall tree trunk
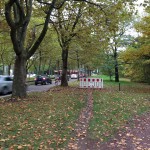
40	63
78	69
49	67
64	81
78	64
3	64
116	66
19	84
3	71
9	67
116	72
110	74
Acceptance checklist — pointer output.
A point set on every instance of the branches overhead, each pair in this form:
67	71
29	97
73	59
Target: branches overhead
51	4
21	16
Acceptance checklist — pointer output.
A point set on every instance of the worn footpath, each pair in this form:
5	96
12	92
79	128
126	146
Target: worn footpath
135	136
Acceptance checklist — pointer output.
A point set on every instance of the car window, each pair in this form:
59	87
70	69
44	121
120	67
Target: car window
39	76
8	79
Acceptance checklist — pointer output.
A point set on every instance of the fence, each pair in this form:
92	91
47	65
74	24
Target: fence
91	83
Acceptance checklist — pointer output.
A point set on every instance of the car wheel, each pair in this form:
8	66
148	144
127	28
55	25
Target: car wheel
5	90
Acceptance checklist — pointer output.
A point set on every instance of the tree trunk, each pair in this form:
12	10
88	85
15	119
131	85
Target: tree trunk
116	72
49	67
40	63
116	67
19	81
78	68
9	67
64	81
110	75
3	71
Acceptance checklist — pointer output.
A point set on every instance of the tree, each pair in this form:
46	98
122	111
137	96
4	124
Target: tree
18	16
6	52
67	19
117	28
46	55
137	56
67	13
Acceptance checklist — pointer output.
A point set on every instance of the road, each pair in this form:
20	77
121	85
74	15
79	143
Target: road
39	88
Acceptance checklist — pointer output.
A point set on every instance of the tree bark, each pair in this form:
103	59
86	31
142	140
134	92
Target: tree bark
78	65
116	66
110	74
64	81
9	67
19	81
116	72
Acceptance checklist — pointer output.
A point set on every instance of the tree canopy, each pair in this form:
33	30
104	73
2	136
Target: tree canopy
88	27
138	54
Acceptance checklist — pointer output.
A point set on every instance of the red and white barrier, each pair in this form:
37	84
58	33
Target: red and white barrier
91	83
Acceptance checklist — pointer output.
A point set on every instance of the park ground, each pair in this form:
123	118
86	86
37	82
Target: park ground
79	119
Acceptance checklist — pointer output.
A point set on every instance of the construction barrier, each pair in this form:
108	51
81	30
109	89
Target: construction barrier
91	83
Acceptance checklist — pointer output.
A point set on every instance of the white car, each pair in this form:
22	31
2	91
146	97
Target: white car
5	84
74	76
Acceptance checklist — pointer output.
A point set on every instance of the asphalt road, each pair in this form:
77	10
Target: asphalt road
39	88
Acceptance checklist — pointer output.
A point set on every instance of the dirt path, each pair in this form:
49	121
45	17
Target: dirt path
136	134
80	132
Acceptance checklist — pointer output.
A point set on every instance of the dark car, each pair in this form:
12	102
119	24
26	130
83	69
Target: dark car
43	80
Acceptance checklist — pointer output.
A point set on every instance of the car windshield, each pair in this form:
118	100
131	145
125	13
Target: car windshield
39	76
7	78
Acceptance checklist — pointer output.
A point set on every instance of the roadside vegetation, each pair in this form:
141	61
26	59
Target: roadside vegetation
47	120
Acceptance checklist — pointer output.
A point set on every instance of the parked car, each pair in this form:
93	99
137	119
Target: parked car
31	75
43	80
58	77
82	75
74	76
68	77
5	84
52	76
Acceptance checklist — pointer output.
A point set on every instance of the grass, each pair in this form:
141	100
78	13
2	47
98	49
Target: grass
113	108
46	120
42	121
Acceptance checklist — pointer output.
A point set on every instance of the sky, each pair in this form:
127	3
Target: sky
140	9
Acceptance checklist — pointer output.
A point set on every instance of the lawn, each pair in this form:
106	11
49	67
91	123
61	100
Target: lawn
113	108
42	121
46	120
